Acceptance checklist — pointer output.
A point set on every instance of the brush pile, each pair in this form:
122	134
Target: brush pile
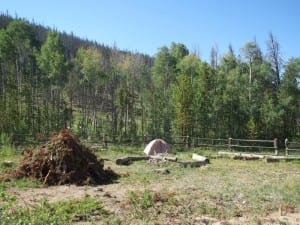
64	160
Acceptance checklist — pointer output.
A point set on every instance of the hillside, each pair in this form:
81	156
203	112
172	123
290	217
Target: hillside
51	80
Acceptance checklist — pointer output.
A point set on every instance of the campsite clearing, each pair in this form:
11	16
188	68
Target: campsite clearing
225	191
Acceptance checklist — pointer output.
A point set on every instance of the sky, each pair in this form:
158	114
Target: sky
146	25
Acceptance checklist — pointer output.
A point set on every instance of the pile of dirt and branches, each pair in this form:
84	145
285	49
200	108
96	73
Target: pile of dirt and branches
63	160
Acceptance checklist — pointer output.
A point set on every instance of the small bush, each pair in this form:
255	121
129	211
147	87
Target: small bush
5	139
6	149
141	200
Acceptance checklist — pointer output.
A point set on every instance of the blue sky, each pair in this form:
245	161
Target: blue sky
146	25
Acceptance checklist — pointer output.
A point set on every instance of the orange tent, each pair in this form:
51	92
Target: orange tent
157	146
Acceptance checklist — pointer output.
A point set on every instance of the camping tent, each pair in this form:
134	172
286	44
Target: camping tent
157	146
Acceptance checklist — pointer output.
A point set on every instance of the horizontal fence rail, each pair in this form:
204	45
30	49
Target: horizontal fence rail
210	142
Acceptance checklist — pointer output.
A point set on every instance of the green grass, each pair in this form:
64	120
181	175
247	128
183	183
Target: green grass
8	152
22	183
59	213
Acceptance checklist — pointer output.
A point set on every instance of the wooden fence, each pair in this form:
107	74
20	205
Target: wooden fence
291	147
238	144
194	142
233	144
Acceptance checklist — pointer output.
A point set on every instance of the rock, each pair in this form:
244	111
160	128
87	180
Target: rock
162	171
8	163
206	220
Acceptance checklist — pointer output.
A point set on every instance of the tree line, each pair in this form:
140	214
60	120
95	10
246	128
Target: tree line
51	80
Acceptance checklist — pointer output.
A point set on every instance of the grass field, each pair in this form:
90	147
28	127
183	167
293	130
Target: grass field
225	191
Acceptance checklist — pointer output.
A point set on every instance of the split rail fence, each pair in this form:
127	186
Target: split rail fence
291	147
232	144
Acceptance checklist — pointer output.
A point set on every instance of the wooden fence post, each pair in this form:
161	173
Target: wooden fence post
194	142
187	141
286	143
229	143
276	146
104	141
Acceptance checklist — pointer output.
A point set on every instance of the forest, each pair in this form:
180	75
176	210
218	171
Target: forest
51	80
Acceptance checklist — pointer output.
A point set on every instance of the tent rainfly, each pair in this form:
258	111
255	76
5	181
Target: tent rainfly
157	146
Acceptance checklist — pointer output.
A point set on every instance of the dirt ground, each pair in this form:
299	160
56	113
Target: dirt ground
190	186
113	195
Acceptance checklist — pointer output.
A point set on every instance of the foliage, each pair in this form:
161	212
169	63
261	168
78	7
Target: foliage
51	80
51	60
184	92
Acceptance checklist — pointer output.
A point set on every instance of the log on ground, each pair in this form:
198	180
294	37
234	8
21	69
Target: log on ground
281	158
241	156
163	158
129	159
